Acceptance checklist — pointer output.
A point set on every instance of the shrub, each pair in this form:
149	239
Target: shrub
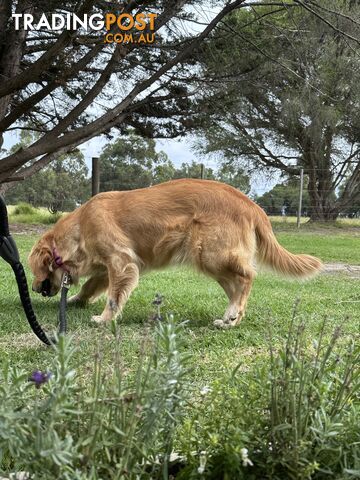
120	429
24	209
25	213
296	418
51	218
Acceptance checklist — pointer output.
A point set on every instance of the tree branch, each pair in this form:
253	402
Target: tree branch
34	72
344	34
50	144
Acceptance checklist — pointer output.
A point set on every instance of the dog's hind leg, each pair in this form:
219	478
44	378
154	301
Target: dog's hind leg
91	289
122	281
225	251
235	275
237	286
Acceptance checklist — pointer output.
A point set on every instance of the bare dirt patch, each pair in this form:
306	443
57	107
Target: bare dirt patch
353	271
27	229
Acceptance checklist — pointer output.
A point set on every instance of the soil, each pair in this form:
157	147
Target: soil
352	271
27	229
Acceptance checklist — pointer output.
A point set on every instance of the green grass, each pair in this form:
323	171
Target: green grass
235	412
339	248
197	299
289	223
31	215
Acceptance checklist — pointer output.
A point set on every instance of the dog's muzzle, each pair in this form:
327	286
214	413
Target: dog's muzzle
45	288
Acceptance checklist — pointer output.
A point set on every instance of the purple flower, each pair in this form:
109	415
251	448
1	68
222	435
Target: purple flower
39	378
158	299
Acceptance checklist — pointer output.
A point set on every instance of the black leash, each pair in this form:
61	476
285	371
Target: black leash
65	285
10	253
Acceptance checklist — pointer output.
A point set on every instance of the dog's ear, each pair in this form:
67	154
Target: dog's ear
40	260
45	257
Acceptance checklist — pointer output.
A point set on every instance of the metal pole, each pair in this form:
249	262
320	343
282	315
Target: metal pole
95	176
300	197
202	171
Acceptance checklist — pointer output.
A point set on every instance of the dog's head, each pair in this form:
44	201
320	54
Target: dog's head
47	275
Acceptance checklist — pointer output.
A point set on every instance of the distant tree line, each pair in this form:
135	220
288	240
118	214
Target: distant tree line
132	162
283	199
129	162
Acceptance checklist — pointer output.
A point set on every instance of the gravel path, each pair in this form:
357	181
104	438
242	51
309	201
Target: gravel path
28	228
353	271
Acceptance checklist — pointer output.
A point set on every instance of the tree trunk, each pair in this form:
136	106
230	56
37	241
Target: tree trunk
12	44
317	146
323	203
322	197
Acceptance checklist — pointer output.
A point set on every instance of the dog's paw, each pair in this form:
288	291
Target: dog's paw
97	319
219	323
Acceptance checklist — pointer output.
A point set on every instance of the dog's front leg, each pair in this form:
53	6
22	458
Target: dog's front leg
91	289
122	281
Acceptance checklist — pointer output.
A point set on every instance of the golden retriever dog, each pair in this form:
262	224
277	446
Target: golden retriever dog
116	236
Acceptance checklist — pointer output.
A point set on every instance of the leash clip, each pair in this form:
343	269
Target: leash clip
66	281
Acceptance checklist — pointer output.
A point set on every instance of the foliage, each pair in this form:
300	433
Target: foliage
118	429
193	170
234	176
296	416
27	214
226	173
299	418
23	209
284	195
132	162
71	87
290	98
60	186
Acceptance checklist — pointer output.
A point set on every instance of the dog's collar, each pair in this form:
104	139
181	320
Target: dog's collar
58	261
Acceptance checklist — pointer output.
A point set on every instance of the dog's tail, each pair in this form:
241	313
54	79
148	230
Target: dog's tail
270	253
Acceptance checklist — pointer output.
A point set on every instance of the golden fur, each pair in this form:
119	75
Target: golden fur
115	236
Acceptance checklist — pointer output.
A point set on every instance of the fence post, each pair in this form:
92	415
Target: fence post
202	171
95	176
300	197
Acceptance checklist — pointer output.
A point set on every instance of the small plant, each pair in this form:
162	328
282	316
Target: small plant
51	218
314	400
297	417
158	303
24	209
52	428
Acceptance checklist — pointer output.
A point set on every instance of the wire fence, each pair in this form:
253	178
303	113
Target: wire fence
284	204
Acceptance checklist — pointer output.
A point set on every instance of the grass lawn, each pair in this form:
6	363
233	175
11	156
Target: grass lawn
106	422
199	300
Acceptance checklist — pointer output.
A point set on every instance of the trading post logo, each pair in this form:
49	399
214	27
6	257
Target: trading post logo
117	27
